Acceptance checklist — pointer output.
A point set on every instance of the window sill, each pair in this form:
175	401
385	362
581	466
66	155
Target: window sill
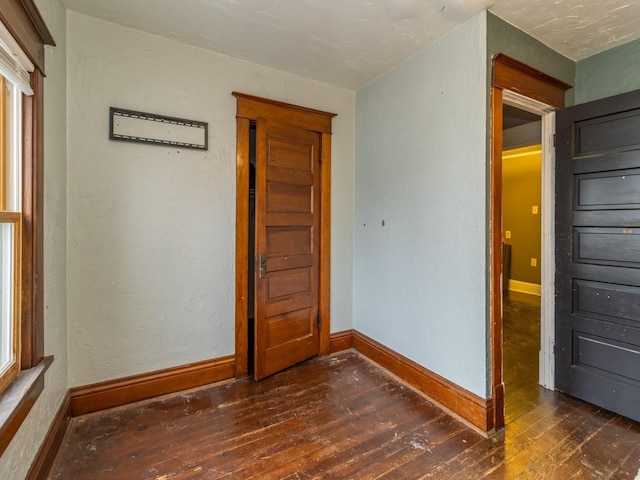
17	400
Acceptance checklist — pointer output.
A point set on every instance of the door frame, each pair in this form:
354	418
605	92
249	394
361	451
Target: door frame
517	82
547	223
251	108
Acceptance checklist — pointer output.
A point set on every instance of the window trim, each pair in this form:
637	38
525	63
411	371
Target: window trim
26	25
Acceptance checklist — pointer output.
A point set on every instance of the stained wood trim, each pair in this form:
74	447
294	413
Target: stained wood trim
38	22
17	400
251	108
510	74
113	393
255	107
341	341
32	326
467	405
26	25
497	383
242	240
324	299
52	442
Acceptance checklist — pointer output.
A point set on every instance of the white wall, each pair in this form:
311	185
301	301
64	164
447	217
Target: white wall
17	459
420	280
151	232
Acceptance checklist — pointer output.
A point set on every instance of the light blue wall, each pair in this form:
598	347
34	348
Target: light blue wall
609	73
420	279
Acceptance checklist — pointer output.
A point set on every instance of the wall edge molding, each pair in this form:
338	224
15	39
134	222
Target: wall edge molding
476	411
114	393
340	341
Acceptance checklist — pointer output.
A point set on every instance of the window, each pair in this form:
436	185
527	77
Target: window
15	81
10	222
23	34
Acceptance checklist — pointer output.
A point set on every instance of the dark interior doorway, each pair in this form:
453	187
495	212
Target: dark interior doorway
251	248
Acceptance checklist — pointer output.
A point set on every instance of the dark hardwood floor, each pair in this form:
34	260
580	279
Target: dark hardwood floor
521	334
340	417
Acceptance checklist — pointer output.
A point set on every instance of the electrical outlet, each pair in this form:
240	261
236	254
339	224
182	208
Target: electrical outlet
534	262
507	234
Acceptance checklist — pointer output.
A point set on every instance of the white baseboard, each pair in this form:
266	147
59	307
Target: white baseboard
525	287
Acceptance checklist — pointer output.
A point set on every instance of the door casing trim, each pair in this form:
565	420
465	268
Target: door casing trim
508	74
251	108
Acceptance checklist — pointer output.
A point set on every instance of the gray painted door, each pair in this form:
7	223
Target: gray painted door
598	253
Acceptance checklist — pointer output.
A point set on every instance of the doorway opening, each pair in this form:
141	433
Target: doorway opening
521	257
251	248
540	94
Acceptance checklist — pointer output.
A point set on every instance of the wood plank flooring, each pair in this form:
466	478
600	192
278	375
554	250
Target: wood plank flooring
341	417
521	333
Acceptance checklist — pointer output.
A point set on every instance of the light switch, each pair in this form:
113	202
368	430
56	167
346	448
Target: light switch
534	209
534	262
507	234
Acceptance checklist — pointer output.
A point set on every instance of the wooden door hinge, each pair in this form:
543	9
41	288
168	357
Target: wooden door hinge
319	322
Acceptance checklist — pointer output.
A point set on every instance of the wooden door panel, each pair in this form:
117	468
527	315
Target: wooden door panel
289	240
598	253
280	356
289	198
292	154
290	326
288	283
616	358
606	133
607	246
276	307
607	301
289	176
599	312
608	190
602	163
289	262
287	222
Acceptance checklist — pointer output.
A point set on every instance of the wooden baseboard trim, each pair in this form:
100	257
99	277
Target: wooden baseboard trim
43	461
114	393
468	406
341	341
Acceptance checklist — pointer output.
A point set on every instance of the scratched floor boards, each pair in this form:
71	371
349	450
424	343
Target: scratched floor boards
342	418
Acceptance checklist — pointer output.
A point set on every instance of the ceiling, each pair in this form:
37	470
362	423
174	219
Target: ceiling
349	43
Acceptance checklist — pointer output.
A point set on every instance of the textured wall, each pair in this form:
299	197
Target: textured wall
505	38
609	73
16	460
152	229
420	227
521	189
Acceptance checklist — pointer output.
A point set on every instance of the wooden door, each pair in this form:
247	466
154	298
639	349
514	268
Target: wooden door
598	253
287	246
